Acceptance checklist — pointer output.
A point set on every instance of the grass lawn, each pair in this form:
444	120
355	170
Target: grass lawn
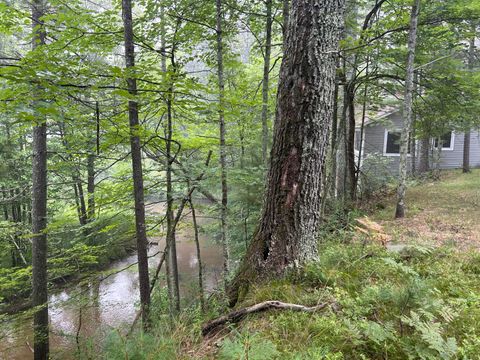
444	212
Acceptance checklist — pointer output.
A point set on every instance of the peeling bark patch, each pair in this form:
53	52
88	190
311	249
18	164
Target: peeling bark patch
291	170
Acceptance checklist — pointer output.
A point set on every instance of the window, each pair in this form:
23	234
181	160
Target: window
392	143
447	141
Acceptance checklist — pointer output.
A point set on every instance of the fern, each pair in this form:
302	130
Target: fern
430	332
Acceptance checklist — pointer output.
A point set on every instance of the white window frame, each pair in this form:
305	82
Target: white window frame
385	138
452	143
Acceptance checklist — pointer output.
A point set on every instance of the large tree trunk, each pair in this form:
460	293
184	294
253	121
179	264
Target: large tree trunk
287	235
466	142
137	171
39	210
266	78
407	114
286	19
223	148
424	161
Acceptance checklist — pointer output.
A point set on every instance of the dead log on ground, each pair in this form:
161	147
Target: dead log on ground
237	315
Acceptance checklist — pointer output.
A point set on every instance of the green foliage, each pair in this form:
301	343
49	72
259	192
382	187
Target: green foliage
248	346
376	175
413	304
15	282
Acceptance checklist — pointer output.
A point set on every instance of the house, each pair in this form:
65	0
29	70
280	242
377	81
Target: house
381	137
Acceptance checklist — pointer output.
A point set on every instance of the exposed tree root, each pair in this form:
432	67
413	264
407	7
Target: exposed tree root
237	315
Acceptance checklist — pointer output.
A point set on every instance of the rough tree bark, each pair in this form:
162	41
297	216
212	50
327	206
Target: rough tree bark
39	210
424	161
407	112
286	19
287	234
266	78
137	171
466	141
223	148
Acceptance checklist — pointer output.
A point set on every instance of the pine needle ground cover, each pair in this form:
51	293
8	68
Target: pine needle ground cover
444	212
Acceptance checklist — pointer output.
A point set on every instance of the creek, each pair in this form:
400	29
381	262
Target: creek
95	308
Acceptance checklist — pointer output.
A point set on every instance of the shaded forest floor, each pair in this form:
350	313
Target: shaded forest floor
439	213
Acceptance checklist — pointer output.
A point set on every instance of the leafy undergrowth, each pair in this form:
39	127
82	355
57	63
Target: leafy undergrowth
420	303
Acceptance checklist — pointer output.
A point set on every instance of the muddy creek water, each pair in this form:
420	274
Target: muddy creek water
91	310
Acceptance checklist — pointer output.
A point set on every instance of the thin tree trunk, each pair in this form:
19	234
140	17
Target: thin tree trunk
266	78
223	149
173	285
77	202
91	171
466	141
39	210
19	197
77	183
412	42
81	197
201	293
5	204
341	160
137	171
287	235
362	135
171	259
352	171
333	154
13	205
413	145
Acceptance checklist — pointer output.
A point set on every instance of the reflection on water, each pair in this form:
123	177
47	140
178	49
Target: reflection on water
91	309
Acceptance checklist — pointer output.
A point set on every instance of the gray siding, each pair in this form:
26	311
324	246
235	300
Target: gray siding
374	139
453	159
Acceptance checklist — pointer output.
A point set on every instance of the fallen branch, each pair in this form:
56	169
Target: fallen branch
237	315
